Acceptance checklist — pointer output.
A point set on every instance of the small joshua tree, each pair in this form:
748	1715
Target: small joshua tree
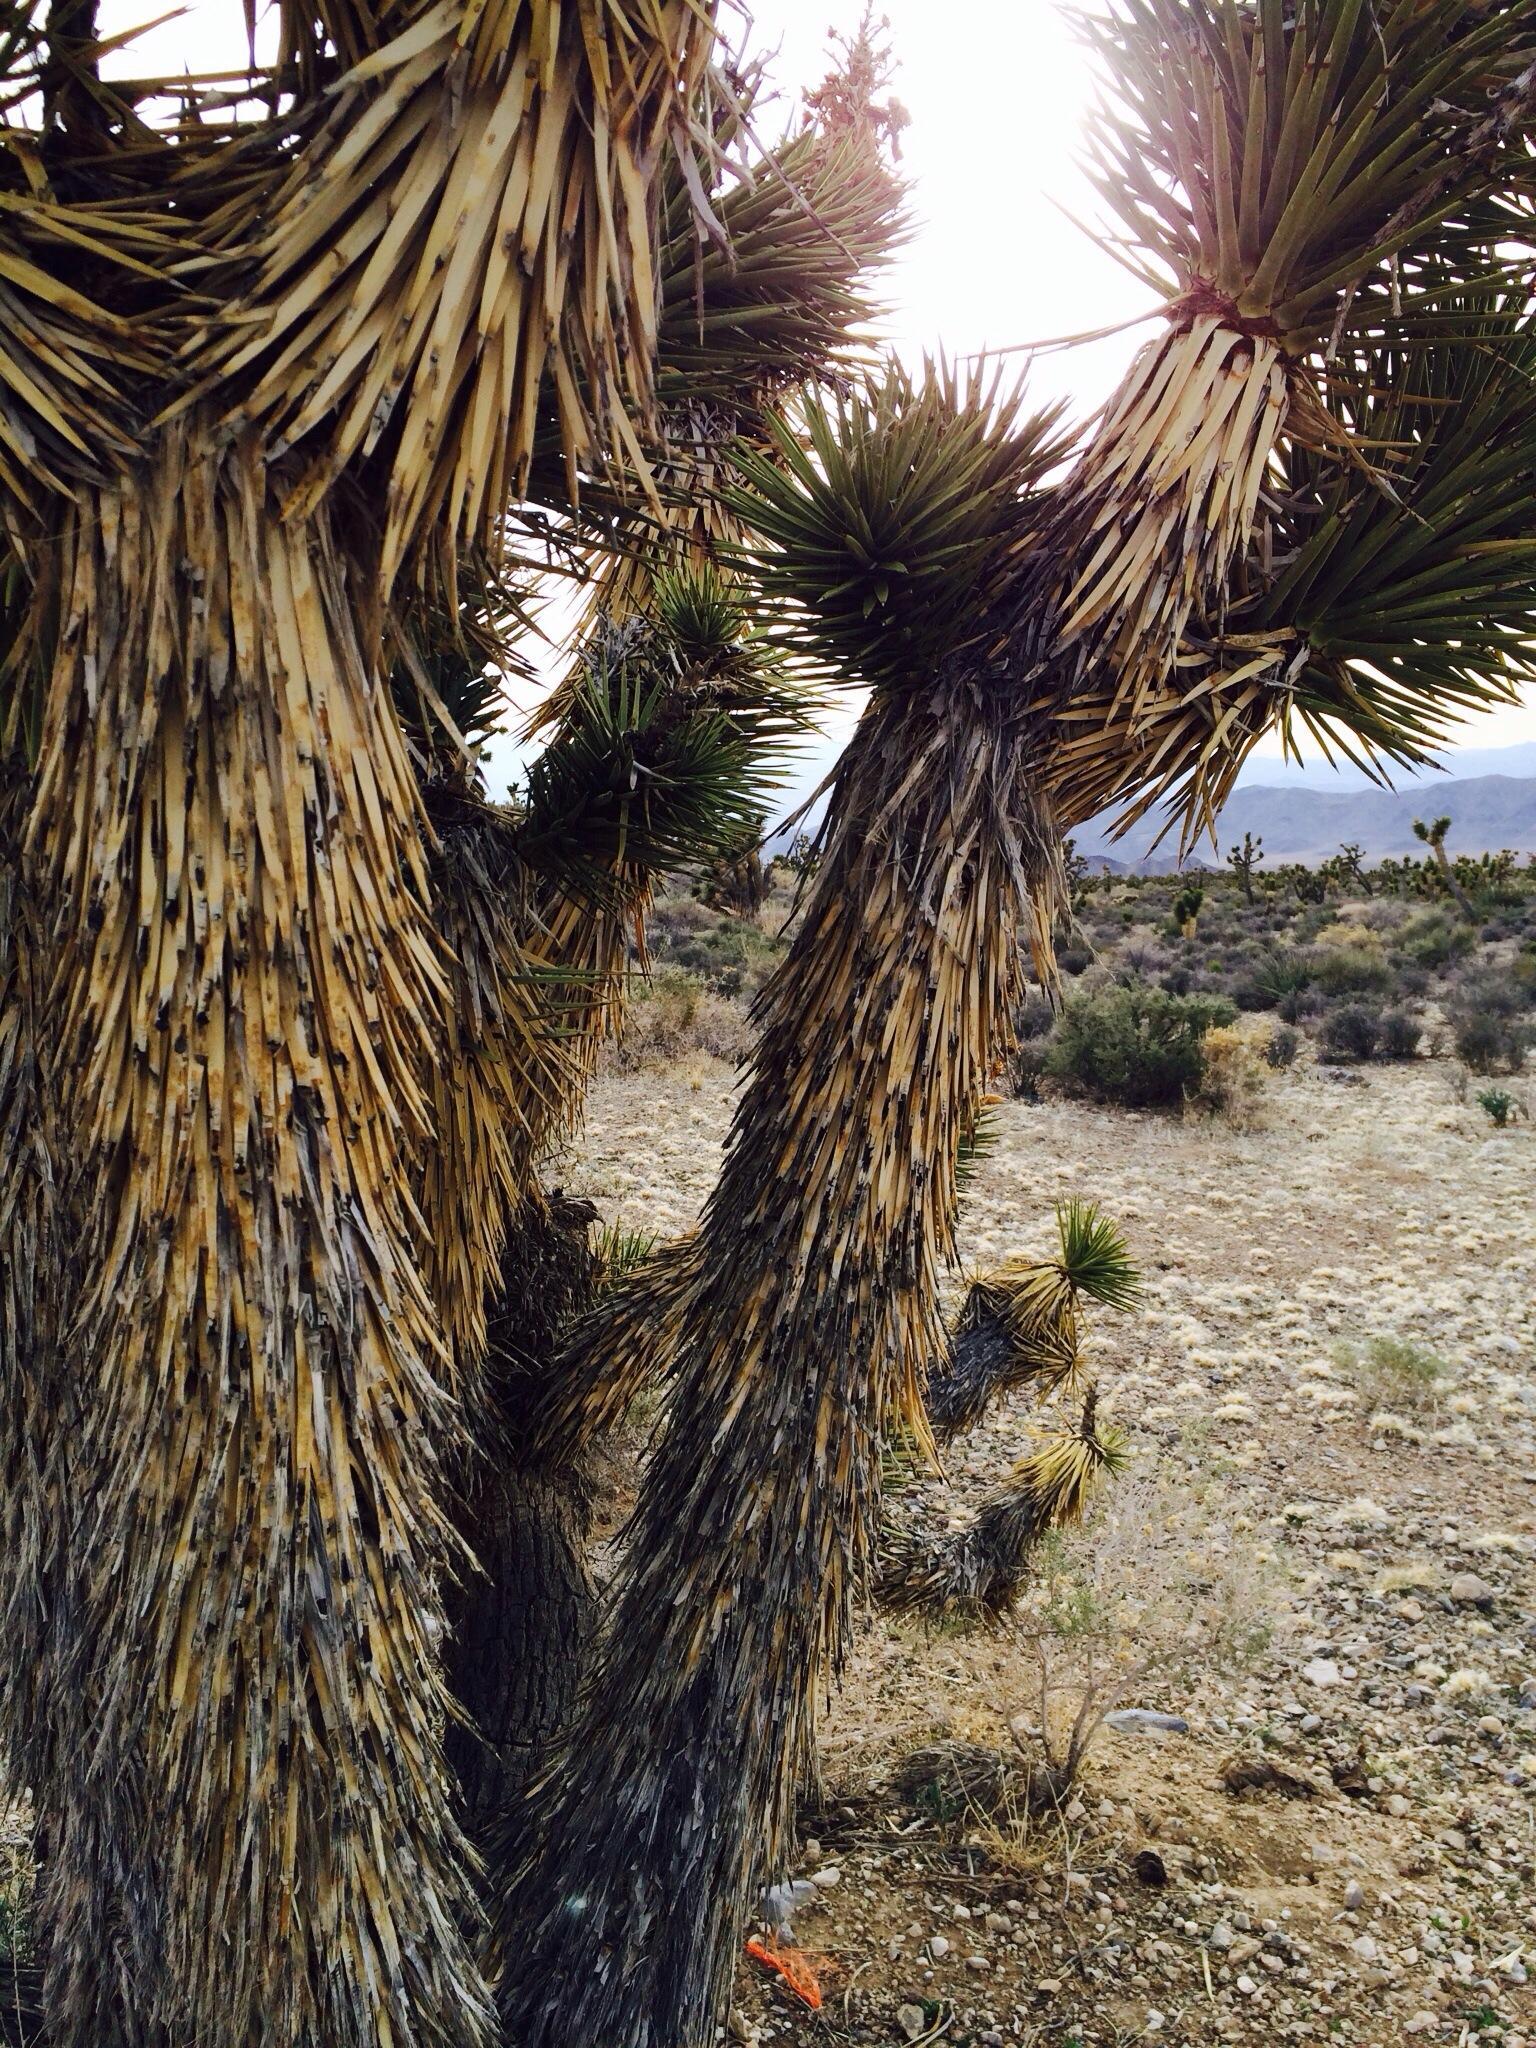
1244	859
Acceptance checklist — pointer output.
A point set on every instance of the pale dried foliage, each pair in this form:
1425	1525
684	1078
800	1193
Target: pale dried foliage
1234	1075
1155	1592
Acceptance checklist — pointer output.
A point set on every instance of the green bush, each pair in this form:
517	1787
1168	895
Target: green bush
1350	971
1134	1045
1432	940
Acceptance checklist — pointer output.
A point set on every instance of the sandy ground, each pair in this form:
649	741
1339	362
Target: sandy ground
1400	1907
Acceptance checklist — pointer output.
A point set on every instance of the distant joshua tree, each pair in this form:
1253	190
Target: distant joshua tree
1433	836
1244	859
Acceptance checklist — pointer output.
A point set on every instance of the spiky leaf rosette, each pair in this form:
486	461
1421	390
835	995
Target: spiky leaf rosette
672	745
975	1573
814	1296
889	515
1268	161
1020	1325
1378	604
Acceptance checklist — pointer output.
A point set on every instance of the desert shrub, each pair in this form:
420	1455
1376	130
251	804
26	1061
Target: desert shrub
1156	1591
1400	1035
674	1012
1432	940
1489	1044
1233	1074
1347	960
1502	991
1074	960
1393	1372
1133	1045
1281	1047
1026	1069
1034	1016
1284	970
1351	1032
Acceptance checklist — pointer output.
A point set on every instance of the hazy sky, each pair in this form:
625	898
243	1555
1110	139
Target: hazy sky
1000	98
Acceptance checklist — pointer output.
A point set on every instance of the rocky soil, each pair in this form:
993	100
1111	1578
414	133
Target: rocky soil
1395	1903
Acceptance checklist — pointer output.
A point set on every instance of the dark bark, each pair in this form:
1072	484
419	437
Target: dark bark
520	1625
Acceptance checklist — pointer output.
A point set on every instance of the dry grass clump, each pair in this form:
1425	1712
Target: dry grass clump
1394	1373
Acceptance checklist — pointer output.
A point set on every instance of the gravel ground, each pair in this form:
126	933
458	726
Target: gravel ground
1398	1903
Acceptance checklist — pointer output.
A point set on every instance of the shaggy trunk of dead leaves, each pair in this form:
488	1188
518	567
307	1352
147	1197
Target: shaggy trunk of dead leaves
814	1295
242	991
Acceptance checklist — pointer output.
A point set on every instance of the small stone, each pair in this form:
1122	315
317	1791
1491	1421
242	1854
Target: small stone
978	1962
1468	1590
1398	1806
812	1849
1274	1964
962	1912
1322	1671
1154	2022
938	1948
999	1923
1354	1895
1247	1986
1490	1724
1422	2023
825	1880
912	2020
738	2026
1220	1936
1310	1723
1366	1947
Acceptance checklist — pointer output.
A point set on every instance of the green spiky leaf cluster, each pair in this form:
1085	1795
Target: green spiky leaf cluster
779	298
1095	1257
671	743
1281	151
1413	598
887	524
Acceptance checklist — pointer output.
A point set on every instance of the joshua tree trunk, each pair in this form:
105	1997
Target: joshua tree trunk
520	1625
256	1470
815	1300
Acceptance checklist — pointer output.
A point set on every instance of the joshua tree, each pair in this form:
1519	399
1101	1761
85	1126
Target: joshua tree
289	1019
1433	835
1244	859
1351	864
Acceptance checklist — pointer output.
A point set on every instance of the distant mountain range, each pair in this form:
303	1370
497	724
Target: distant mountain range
1301	813
1305	823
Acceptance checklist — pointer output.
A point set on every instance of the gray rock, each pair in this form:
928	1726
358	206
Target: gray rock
1221	1936
912	2020
1354	1895
1468	1590
938	1947
1142	1721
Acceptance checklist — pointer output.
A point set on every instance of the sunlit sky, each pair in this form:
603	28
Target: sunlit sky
1001	100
